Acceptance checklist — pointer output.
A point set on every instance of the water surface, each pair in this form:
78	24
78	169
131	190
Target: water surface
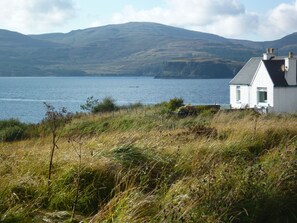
23	97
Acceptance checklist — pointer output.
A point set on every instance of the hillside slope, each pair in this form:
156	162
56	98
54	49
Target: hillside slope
136	48
143	165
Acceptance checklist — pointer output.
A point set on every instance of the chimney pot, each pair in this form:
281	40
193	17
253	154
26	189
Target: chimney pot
270	51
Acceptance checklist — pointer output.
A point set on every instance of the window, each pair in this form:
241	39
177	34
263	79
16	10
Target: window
262	94
238	93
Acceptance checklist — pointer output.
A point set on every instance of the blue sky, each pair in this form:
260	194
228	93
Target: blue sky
240	19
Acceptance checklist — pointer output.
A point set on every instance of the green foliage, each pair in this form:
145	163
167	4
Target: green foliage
187	110
11	130
203	110
90	104
95	106
175	103
107	105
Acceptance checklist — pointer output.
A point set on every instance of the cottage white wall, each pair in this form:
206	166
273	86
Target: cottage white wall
285	100
233	96
261	79
244	96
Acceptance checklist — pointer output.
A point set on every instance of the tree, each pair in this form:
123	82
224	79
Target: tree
94	106
90	104
175	103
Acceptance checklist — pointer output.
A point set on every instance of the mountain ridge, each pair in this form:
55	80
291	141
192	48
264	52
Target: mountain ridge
135	48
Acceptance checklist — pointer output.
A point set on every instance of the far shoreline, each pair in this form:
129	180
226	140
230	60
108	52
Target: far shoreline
119	76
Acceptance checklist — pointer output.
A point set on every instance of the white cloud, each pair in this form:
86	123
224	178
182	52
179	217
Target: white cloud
222	17
35	16
227	18
280	21
184	12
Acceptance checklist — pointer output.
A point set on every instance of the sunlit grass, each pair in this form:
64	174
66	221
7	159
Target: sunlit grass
146	166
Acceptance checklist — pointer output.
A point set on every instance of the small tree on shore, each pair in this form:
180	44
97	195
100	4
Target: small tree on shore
175	103
95	106
90	104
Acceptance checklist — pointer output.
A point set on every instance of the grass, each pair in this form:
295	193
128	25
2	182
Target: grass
143	165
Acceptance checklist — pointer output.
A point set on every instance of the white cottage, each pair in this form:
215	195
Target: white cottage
268	83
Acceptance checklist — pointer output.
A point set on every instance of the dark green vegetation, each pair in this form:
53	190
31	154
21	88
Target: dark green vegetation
94	106
130	49
146	164
11	130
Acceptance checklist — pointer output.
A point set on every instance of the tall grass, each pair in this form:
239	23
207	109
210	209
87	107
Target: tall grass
146	166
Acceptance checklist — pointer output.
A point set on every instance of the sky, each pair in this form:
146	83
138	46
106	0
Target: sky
239	19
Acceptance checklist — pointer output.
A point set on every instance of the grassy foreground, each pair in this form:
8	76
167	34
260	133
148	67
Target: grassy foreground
144	165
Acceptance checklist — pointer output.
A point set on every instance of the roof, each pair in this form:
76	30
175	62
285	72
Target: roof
246	74
274	68
277	74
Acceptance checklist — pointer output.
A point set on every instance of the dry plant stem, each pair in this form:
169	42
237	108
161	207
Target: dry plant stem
54	146
255	127
79	154
56	119
55	140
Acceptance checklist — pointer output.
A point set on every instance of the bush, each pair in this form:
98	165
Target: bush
94	106
187	110
90	104
107	105
175	103
11	130
190	110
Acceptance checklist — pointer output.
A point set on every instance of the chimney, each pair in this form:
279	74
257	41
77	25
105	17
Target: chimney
290	69
270	50
269	54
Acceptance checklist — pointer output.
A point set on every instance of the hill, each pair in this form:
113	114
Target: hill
282	46
142	164
136	48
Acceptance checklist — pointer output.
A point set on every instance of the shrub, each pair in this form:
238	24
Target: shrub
190	110
94	106
175	103
90	104
107	105
187	110
11	130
